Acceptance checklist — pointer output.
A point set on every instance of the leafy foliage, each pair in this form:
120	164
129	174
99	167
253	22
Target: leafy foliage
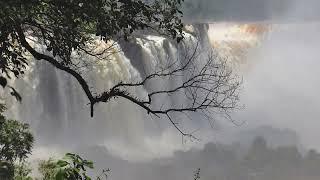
16	143
47	168
22	171
64	26
71	167
15	140
71	27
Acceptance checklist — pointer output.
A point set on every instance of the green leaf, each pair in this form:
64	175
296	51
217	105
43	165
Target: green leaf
86	177
60	175
62	163
88	164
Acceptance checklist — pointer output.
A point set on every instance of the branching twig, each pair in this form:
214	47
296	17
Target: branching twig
204	83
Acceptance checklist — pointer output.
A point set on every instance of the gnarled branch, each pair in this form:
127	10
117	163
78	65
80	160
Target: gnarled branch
205	82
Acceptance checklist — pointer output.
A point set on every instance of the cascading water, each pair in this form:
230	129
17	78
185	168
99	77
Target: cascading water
55	105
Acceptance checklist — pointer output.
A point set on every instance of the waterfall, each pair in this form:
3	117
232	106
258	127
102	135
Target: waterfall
57	109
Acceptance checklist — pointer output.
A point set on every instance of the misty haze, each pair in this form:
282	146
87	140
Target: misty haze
159	90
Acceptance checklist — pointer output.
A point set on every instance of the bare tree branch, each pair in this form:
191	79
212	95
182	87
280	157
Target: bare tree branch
205	82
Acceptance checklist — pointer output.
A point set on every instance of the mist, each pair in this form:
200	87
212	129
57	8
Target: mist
251	10
280	97
281	88
280	94
260	153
